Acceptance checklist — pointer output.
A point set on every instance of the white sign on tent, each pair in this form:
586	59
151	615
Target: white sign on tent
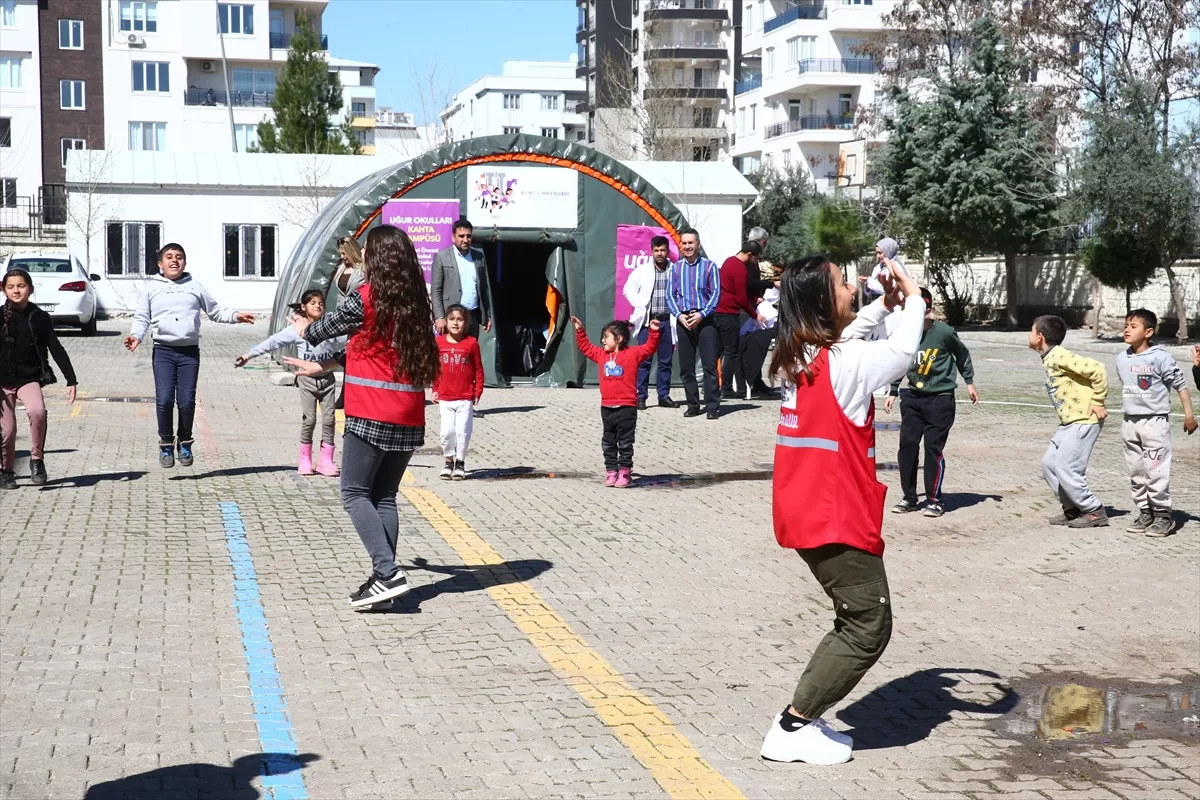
504	196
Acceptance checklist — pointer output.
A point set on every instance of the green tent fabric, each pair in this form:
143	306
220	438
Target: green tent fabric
581	265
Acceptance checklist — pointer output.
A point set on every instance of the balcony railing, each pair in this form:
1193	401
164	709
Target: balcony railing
816	122
280	41
706	83
575	107
673	5
813	11
218	97
748	85
669	44
852	66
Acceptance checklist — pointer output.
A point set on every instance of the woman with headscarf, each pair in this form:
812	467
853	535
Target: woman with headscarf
885	251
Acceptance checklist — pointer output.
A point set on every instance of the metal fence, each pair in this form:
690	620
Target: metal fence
219	97
35	217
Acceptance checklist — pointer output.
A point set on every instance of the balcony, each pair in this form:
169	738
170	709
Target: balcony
218	97
280	41
846	66
706	89
683	48
687	9
362	122
807	11
748	85
854	15
816	122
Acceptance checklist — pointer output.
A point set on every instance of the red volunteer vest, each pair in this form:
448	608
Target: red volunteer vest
372	391
825	490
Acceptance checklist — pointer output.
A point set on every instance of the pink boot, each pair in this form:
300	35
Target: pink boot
305	467
327	467
624	476
610	478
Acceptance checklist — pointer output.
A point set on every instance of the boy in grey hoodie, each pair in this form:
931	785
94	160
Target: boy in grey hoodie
1148	373
171	307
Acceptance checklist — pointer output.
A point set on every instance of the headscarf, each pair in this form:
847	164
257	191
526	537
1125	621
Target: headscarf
888	246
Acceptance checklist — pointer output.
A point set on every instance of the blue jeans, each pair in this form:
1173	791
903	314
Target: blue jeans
666	350
175	372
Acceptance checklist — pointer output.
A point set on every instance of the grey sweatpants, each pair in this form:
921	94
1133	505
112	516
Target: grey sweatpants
322	389
1148	456
370	479
1065	465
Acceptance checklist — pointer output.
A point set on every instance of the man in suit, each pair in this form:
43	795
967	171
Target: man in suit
460	277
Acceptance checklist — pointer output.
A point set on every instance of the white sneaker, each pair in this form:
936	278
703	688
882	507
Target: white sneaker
447	471
809	743
828	730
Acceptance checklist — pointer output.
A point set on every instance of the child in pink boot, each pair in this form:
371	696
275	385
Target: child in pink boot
319	389
618	364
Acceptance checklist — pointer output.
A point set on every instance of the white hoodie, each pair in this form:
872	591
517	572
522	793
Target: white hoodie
173	309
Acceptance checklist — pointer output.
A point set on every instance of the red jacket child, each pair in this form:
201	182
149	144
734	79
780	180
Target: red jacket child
618	383
461	376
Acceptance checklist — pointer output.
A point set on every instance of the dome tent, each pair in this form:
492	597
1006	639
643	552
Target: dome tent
575	266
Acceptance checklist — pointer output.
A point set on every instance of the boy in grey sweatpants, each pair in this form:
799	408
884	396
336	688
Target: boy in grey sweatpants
1148	373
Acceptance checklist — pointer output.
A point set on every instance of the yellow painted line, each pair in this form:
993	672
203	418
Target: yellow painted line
339	418
636	721
76	411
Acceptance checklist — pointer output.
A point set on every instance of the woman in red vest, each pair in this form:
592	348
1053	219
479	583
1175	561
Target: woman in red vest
827	503
391	359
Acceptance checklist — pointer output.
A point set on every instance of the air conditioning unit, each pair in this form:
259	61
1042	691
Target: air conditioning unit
133	40
206	66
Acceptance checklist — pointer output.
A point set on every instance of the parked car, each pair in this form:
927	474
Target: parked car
60	287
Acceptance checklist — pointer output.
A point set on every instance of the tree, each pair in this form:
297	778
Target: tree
642	113
967	159
89	206
786	203
306	93
839	231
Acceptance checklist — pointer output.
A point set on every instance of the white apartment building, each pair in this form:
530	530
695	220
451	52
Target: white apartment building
20	111
543	98
803	82
398	138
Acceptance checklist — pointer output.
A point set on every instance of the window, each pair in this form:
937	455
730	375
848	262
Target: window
252	81
787	158
511	129
236	18
702	117
71	144
8	192
147	136
151	76
741	123
802	48
249	251
246	136
10	72
702	153
549	102
139	16
769	62
512	101
754	116
8	13
550	133
70	34
132	248
5	132
70	94
845	104
358	109
365	137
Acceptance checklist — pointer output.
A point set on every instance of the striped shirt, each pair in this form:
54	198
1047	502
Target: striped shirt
693	287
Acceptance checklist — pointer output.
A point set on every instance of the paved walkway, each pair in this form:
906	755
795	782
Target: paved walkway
161	629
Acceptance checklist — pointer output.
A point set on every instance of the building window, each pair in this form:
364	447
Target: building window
249	251
787	158
8	192
133	248
550	133
845	104
70	34
8	13
148	136
549	102
70	94
5	132
151	76
510	129
358	109
754	116
10	72
248	82
702	153
139	16
236	18
769	62
71	144
512	101
702	117
246	136
365	137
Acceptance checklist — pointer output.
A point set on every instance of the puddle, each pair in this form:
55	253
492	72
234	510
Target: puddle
118	399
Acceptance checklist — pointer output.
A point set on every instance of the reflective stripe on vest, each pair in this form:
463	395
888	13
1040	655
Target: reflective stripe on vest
807	442
373	384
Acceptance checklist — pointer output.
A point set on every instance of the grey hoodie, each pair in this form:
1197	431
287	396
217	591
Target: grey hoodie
173	309
1147	380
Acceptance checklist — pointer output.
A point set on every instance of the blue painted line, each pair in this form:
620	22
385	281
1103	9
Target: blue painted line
281	769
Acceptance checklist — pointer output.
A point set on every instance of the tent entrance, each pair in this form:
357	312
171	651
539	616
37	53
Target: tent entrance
517	271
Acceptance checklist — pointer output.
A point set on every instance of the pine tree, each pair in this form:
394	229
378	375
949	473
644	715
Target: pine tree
840	232
966	160
306	93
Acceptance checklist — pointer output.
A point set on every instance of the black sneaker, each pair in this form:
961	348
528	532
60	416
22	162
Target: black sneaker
1162	525
1144	519
185	454
447	471
641	404
1065	517
692	411
37	472
166	456
377	589
934	510
713	415
666	402
903	507
8	479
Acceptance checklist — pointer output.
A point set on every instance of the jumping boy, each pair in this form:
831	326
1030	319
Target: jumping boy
1148	373
1077	387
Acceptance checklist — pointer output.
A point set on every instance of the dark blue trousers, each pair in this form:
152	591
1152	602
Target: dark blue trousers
176	370
666	350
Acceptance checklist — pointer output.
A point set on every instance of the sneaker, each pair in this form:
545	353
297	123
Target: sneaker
1065	517
666	402
811	743
376	590
1144	519
713	415
903	507
166	456
934	510
447	471
8	479
641	404
828	730
460	471
185	454
37	472
610	478
1093	519
692	411
1162	526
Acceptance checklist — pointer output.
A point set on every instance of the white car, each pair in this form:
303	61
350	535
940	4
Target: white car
60	287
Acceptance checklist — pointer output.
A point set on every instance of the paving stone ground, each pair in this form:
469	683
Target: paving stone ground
122	656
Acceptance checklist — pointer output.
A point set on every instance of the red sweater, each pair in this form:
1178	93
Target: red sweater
733	289
461	376
618	390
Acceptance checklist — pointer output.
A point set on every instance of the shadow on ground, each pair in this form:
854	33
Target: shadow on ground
487	412
906	710
959	500
233	472
207	781
80	481
462	578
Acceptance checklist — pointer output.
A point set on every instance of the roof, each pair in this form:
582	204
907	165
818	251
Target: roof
695	179
229	170
334	61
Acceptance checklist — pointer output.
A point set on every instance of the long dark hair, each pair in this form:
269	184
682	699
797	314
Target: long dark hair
400	301
807	316
8	307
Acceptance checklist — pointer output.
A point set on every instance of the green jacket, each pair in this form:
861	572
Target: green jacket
933	370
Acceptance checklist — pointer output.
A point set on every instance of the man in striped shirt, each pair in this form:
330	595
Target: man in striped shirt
693	288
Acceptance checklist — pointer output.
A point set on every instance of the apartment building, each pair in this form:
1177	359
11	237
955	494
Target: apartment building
399	138
20	111
544	98
803	80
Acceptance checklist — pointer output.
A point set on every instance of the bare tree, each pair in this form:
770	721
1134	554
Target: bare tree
642	110
300	204
435	93
89	205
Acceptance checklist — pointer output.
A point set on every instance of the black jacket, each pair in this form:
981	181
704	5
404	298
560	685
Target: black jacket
25	346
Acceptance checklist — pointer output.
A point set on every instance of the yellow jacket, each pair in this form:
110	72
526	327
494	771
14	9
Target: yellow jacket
1075	384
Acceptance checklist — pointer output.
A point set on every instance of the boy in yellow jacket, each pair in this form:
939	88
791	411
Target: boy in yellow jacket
1077	386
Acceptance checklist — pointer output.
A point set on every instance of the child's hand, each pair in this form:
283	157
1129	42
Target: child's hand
655	324
974	395
477	399
433	396
71	399
131	343
240	361
887	404
1100	411
1189	425
306	368
578	325
300	325
245	318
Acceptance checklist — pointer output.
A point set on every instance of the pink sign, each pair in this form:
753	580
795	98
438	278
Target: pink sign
427	222
633	251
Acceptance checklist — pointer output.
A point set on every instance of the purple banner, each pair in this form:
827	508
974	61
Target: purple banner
633	250
427	222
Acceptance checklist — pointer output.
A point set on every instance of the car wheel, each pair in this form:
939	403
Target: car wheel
89	328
